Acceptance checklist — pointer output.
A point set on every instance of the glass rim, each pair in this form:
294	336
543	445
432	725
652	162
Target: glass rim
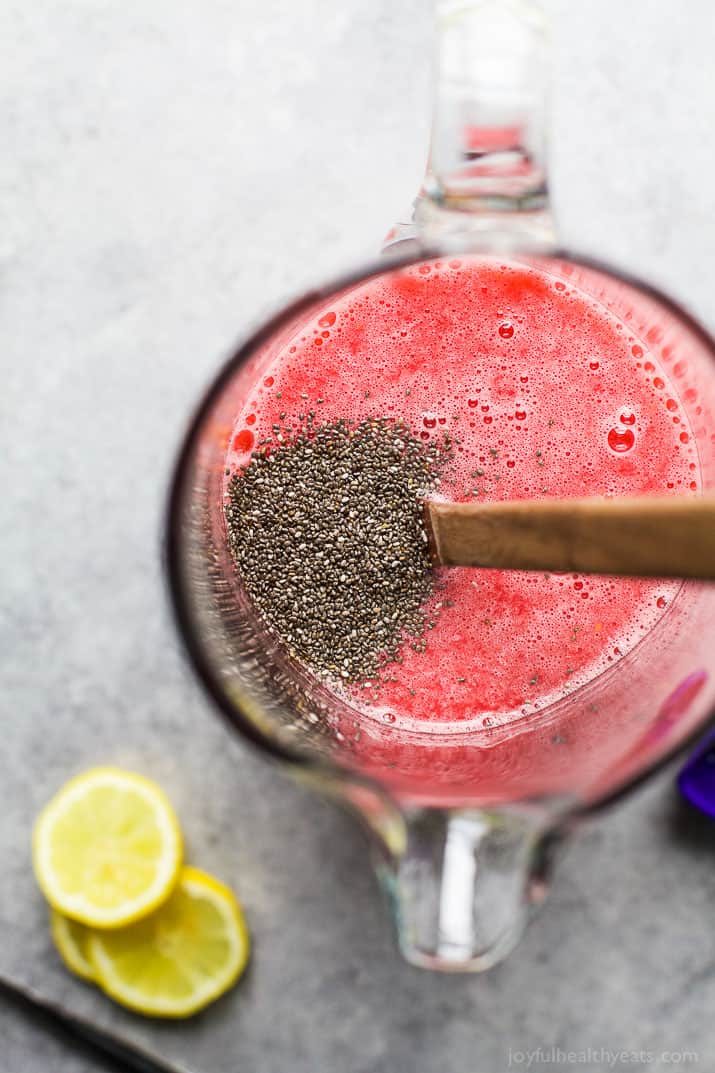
298	759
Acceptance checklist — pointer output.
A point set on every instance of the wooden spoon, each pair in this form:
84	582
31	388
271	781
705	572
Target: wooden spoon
640	537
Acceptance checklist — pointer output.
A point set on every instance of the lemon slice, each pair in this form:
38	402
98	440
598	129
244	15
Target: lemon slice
107	848
180	958
71	940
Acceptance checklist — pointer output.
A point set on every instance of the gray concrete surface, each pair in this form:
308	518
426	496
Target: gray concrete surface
169	172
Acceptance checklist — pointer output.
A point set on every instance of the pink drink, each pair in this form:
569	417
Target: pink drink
547	393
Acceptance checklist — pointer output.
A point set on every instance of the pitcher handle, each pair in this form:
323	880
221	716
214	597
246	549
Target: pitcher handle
486	183
461	883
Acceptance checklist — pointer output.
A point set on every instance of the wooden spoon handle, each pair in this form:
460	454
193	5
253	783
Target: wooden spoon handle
645	536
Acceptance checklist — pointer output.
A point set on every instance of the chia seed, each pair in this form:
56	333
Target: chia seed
328	536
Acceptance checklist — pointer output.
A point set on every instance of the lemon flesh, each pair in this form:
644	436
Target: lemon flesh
107	848
72	940
179	959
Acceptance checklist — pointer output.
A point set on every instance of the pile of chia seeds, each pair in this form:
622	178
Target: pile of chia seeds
326	528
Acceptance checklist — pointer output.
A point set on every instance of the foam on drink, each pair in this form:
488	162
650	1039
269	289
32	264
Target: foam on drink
547	394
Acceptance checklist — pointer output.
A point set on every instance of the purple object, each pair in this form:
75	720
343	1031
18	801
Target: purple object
696	781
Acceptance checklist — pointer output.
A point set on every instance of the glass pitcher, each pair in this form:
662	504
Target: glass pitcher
463	815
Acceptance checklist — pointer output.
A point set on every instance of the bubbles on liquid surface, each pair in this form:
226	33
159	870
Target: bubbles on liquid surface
244	440
564	400
621	440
